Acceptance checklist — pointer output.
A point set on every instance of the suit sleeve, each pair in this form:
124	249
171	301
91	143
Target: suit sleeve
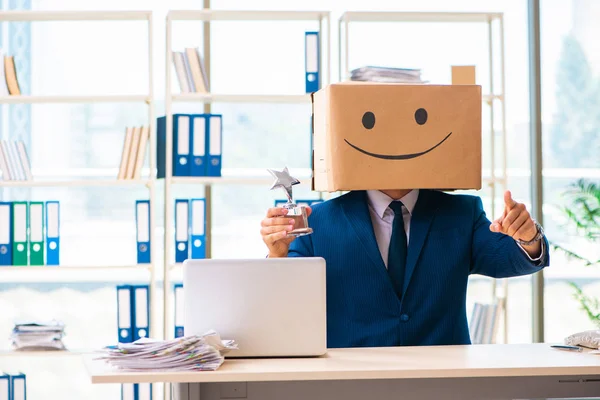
301	247
498	255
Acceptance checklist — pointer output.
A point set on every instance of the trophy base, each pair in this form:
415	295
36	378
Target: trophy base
298	214
300	232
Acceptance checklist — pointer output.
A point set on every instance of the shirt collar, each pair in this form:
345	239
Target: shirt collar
380	201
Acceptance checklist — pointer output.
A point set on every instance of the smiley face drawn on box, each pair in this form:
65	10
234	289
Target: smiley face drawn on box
396	136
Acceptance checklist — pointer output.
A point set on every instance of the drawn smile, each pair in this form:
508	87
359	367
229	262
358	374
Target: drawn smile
398	156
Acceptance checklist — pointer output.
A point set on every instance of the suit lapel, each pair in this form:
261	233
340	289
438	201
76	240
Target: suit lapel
356	211
420	223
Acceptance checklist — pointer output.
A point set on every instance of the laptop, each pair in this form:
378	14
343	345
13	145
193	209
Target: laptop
271	307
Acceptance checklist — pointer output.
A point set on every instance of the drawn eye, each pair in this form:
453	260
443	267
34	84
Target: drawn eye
421	116
368	120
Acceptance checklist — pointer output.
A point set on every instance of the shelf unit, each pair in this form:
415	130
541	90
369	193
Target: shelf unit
90	273
205	16
486	19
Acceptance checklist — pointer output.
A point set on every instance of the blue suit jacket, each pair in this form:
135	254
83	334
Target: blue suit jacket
449	240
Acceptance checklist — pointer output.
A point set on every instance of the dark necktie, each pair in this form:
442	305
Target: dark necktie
398	249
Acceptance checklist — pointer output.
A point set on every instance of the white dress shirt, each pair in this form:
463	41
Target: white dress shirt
382	218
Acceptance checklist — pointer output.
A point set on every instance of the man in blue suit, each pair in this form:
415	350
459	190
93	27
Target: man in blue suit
398	261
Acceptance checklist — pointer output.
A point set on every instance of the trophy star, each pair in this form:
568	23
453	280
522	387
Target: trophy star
283	179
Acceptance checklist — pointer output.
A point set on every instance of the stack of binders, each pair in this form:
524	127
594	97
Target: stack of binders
14	161
133	317
142	228
13	387
190	225
29	233
196	142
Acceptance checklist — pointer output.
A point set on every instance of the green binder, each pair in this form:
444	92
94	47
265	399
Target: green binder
20	224
36	233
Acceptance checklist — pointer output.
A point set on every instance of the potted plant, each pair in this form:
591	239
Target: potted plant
583	212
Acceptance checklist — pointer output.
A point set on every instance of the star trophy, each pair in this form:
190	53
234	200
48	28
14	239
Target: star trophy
297	213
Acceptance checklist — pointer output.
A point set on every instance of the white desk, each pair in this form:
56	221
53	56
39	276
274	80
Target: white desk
438	372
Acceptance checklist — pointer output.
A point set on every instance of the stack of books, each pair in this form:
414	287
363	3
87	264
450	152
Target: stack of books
38	336
190	71
14	161
386	74
189	353
134	152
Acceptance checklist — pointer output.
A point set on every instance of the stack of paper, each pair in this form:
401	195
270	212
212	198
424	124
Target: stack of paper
386	74
198	352
38	336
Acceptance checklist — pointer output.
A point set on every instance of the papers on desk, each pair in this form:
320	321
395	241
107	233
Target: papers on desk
38	336
386	74
198	352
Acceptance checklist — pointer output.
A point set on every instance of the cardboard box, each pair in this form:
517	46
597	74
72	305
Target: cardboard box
396	136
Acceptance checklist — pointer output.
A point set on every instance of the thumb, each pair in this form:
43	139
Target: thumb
495	226
508	200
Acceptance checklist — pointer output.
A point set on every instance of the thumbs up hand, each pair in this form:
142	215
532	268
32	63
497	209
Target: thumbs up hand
515	221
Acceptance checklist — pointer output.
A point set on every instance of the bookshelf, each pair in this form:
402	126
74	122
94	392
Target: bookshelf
101	273
244	177
491	177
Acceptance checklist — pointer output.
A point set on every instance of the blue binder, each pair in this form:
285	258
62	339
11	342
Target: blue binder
18	386
181	145
141	311
52	233
161	147
128	391
143	391
198	129
6	224
142	218
198	228
214	147
124	313
5	386
181	142
182	226
178	296
312	61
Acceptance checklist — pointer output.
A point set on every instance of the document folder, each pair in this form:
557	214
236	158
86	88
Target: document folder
52	233
198	128
128	391
312	59
124	313
4	386
143	391
181	145
20	238
6	223
36	233
198	226
182	221
141	316
178	291
142	217
18	386
215	129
